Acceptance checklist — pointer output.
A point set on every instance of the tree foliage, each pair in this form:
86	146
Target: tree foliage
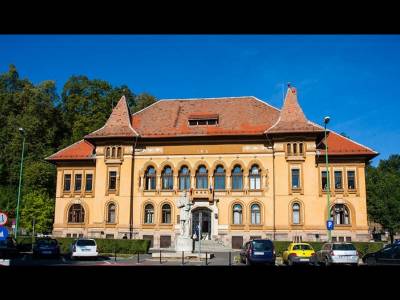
51	122
383	193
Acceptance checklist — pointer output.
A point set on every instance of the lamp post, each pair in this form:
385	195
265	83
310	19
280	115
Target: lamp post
22	131
328	192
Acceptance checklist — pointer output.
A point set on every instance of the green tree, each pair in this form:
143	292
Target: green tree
39	207
383	194
143	100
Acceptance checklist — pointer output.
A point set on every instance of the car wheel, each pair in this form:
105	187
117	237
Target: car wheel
327	262
290	262
371	261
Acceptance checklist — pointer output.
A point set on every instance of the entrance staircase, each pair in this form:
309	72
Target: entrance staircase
211	246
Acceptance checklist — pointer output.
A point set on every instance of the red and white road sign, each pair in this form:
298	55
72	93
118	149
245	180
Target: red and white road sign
3	218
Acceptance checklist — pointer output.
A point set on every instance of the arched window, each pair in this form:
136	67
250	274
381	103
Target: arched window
111	213
237	214
166	214
108	152
167	178
288	149
219	178
149	214
150	179
202	178
296	213
76	214
184	178
237	178
255	214
294	149
301	150
119	152
340	214
113	152
255	178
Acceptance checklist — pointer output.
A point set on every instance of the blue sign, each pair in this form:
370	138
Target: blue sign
329	225
3	233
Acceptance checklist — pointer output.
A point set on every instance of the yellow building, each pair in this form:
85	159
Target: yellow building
251	169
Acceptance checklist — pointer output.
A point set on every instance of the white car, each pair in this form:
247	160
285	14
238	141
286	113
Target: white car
84	248
338	253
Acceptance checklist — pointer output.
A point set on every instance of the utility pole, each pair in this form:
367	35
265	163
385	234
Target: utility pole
21	130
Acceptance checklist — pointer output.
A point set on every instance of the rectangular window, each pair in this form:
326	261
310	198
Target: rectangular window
338	180
351	182
348	238
112	180
255	182
67	182
219	182
78	182
68	235
237	182
89	182
295	178
324	181
109	236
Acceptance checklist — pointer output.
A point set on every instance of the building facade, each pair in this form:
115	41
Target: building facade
249	169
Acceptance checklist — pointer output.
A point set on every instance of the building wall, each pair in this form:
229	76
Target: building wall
312	200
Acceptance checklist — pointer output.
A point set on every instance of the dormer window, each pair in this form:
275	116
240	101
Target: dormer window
203	120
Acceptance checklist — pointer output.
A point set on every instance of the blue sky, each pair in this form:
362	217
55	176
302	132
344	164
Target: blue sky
351	78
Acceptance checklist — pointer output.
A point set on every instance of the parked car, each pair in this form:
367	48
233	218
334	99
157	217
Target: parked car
260	251
298	253
337	253
83	248
390	255
46	247
8	248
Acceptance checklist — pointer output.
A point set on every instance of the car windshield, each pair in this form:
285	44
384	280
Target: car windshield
262	245
302	247
85	243
343	247
47	242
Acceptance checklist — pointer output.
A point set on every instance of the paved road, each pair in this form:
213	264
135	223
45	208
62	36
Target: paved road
220	259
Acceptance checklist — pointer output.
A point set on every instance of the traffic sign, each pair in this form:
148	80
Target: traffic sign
3	233
329	224
3	218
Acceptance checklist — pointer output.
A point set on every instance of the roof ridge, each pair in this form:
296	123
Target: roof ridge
204	98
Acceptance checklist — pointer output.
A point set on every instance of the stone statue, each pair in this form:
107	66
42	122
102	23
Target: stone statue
185	213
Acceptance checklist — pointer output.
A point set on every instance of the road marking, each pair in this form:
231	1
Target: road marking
24	257
63	258
107	262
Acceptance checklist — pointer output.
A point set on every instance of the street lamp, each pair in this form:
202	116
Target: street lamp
328	194
22	131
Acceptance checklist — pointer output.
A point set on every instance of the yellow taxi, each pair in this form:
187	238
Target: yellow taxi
298	253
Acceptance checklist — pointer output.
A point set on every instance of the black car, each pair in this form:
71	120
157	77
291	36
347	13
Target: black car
46	248
8	248
390	255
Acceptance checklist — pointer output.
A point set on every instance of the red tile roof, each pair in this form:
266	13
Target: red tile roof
340	145
236	116
118	124
292	118
77	151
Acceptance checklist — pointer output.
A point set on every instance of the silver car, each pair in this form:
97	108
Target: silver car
337	253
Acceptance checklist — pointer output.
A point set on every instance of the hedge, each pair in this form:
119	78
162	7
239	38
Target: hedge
362	247
103	245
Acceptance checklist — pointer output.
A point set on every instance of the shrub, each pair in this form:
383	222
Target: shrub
103	245
362	247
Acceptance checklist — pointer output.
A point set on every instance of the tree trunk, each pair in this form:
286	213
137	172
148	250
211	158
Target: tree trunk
391	233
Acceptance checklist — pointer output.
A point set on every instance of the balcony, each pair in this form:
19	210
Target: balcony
202	194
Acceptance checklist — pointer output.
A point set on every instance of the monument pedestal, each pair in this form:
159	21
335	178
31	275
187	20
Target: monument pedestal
183	244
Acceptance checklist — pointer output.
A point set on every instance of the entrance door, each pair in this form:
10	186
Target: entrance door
205	222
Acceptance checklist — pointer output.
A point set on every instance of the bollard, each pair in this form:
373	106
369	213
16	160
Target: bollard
183	258
115	254
230	259
206	259
160	257
138	258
